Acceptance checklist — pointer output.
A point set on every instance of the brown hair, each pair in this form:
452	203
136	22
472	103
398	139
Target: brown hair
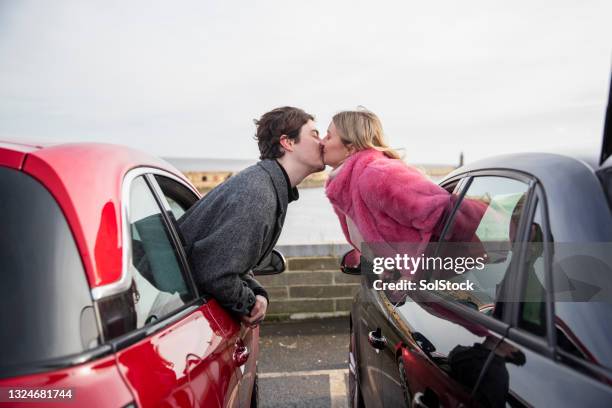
272	125
362	129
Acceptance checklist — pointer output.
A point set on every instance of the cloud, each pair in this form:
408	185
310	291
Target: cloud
187	79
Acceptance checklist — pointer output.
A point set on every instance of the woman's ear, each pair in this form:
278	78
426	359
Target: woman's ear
350	149
286	143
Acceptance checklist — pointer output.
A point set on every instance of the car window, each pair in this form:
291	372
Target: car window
482	229
47	310
532	306
178	197
159	286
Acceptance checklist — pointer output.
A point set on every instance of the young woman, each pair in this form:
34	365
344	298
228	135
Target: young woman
378	198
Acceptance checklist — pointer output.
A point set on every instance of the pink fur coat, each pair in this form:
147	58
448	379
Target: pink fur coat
387	200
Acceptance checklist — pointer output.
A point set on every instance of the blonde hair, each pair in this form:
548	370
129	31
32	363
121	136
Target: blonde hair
362	129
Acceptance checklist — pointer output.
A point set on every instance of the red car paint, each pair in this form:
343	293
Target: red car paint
205	358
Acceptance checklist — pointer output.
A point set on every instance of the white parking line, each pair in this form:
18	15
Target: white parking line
337	384
337	389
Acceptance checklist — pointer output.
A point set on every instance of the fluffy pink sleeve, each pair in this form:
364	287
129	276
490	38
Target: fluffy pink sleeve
405	195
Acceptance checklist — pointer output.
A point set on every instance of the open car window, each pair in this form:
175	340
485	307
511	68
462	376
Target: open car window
178	197
159	283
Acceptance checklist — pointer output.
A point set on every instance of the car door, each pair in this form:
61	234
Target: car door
235	347
366	318
448	341
409	329
418	339
563	345
378	374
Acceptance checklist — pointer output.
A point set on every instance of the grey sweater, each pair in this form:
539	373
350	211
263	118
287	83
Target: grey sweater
231	229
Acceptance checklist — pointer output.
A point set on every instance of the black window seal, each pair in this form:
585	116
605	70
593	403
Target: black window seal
56	363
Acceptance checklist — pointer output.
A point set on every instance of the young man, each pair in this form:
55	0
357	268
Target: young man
236	225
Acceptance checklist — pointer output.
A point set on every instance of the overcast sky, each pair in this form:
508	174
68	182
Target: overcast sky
186	78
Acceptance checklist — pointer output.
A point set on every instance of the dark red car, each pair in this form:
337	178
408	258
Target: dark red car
98	302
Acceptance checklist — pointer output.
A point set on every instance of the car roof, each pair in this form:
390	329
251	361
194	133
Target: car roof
531	163
572	190
12	154
86	179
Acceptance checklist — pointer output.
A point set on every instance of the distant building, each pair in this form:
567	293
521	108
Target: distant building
206	174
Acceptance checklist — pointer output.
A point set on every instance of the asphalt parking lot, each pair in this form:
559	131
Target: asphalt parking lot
304	363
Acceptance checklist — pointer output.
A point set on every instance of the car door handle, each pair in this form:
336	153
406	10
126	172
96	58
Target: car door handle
377	340
241	353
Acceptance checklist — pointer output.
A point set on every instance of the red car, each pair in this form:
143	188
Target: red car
98	302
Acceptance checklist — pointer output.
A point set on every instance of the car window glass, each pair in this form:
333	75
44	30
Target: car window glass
159	287
47	310
483	230
176	208
532	313
178	197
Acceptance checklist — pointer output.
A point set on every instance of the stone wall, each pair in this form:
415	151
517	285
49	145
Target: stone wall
312	286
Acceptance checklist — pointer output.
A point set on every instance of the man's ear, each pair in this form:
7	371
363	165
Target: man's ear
286	143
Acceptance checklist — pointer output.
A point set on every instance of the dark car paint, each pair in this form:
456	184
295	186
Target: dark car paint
576	210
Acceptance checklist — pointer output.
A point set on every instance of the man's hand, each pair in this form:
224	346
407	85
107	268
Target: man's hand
257	313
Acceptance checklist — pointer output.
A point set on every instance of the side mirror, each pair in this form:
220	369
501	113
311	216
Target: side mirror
351	263
273	264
